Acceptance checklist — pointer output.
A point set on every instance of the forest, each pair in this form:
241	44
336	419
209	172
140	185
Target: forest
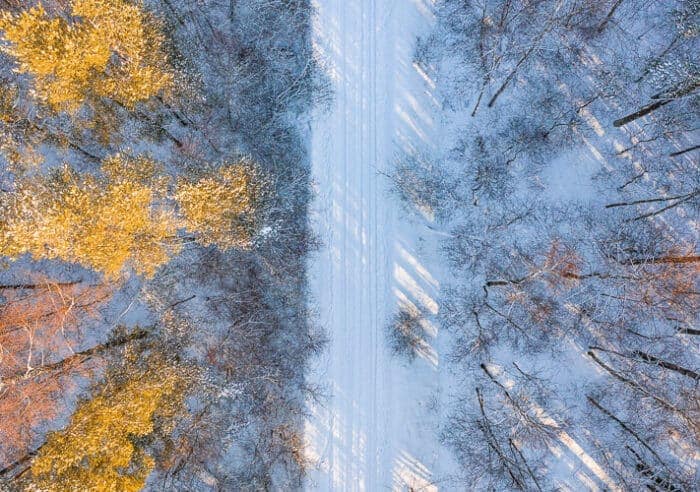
569	192
152	232
160	217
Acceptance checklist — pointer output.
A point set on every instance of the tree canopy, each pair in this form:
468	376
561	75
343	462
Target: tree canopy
102	48
102	447
124	217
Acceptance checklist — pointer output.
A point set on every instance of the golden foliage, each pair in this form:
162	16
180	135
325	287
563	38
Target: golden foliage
108	48
125	217
219	208
15	145
105	223
100	449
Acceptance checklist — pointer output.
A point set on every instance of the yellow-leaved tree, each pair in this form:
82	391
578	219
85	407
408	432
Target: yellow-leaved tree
102	48
18	145
220	206
125	217
105	222
102	446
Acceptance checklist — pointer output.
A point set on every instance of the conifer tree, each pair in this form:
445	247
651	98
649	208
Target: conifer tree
103	446
106	223
102	48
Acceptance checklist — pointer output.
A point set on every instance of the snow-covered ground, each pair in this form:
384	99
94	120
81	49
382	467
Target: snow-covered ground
377	430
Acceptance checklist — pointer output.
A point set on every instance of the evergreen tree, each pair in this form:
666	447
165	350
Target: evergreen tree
104	48
220	207
102	222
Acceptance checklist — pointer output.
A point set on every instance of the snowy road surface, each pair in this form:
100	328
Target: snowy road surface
376	431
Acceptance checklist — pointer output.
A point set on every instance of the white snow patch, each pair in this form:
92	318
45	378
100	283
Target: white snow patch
378	429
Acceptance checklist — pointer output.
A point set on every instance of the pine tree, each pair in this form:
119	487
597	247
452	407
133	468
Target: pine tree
106	223
103	446
104	48
220	207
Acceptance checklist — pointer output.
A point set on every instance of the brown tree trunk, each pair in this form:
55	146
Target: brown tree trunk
662	259
641	113
650	359
78	357
625	427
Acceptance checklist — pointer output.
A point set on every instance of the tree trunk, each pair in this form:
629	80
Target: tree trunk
602	25
687	331
527	466
676	260
635	385
681	152
659	57
653	200
36	286
641	113
492	442
650	359
482	57
625	427
638	355
17	468
660	482
664	209
78	357
548	27
665	98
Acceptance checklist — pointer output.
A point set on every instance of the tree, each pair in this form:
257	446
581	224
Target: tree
44	320
499	438
220	206
246	80
102	48
106	222
42	324
17	144
124	217
104	446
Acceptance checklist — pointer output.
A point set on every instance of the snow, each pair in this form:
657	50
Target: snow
377	430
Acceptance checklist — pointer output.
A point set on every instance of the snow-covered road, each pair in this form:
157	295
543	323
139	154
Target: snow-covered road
376	431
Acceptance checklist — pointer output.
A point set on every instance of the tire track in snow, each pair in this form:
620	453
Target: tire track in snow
372	424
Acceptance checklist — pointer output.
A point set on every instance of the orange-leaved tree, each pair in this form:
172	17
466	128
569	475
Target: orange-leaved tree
41	327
